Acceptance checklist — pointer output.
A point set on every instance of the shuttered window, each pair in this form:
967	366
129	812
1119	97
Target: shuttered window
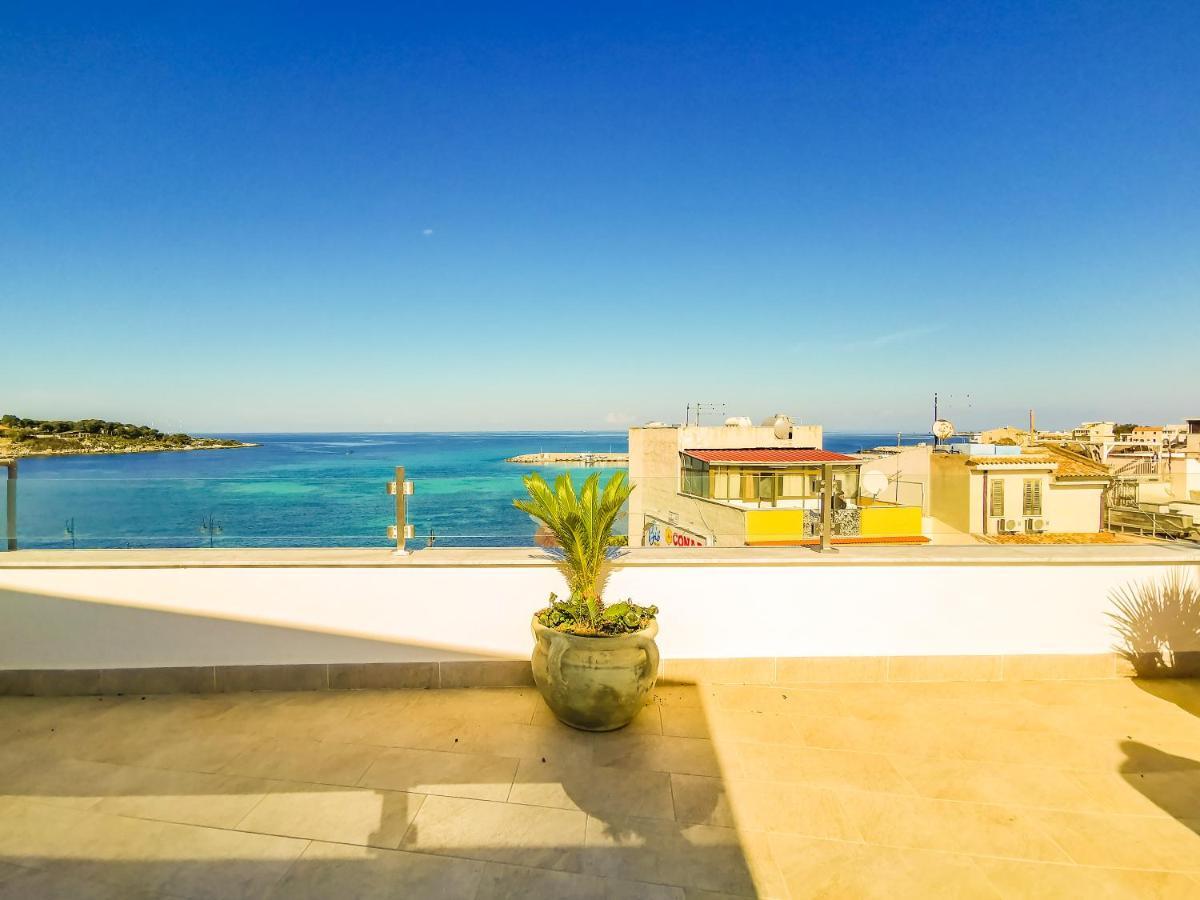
997	500
1031	504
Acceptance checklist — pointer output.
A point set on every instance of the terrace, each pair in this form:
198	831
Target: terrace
312	723
1001	789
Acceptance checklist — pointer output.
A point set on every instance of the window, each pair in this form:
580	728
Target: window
1031	502
997	500
695	477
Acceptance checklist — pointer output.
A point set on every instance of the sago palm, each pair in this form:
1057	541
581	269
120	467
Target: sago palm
582	524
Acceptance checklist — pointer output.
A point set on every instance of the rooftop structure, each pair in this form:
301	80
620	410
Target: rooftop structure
744	485
1047	490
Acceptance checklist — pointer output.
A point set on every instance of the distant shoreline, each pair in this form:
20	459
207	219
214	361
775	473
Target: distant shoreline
15	451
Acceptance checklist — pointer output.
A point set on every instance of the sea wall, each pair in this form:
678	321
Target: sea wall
120	610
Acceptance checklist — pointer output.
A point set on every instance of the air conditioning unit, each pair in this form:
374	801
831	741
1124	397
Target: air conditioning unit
1035	526
1005	526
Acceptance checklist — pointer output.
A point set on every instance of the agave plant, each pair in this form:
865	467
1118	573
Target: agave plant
581	524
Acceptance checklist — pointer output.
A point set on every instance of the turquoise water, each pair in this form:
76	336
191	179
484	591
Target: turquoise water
307	490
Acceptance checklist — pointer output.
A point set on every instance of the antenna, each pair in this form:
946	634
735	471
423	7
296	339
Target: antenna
935	417
706	409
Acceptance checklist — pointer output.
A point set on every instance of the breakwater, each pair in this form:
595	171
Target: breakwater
577	459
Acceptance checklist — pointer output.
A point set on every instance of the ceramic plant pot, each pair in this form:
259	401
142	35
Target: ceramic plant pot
595	683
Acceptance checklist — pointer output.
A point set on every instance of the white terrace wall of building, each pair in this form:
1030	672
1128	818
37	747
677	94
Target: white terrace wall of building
951	601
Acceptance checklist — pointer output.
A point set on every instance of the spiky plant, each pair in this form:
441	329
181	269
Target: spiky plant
581	524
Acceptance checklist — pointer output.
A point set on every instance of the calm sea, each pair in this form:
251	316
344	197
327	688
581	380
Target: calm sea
311	490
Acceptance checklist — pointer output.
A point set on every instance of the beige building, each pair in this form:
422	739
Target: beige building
738	484
1046	490
1150	435
1095	432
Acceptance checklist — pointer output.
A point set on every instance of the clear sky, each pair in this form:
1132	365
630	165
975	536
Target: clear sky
224	216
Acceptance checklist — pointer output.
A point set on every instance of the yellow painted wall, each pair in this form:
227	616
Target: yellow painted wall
774	525
950	498
888	521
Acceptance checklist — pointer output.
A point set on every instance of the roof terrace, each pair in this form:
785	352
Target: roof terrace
1002	789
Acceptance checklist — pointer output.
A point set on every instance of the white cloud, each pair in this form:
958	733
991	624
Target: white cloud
618	418
890	337
426	231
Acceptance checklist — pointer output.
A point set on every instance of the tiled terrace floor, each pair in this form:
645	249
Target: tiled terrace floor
1009	789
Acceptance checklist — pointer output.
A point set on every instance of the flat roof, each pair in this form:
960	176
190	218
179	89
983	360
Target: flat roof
772	455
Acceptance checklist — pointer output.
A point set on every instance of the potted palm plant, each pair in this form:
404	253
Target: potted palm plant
595	664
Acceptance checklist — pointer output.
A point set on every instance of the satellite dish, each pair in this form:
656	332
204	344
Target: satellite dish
873	484
782	425
943	430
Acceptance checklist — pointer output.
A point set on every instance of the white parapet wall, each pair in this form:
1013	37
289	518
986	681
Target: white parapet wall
135	609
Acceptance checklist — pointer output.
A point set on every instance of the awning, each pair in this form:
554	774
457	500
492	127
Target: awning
773	456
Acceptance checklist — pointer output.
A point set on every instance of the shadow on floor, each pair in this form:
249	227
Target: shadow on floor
1170	782
225	796
1183	692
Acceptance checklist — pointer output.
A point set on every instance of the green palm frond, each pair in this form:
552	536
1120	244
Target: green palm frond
581	523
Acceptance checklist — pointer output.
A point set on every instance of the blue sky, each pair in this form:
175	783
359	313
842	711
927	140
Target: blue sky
336	217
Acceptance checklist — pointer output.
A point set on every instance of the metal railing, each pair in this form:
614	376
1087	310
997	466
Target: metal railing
10	503
1145	522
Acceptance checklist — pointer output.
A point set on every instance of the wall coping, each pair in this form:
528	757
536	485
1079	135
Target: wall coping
1148	553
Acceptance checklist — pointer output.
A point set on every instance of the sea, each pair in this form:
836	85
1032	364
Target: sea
308	490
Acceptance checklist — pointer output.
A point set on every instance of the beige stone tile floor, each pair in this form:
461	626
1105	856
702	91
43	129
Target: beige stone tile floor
971	789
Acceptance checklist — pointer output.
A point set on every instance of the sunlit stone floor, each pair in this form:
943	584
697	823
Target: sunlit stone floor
1008	789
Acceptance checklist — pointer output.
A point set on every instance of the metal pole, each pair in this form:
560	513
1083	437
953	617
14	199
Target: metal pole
826	507
11	503
401	512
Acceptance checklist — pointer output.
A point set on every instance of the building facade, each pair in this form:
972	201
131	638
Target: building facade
738	485
1044	491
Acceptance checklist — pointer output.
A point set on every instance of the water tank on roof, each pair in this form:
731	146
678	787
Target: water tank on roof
738	422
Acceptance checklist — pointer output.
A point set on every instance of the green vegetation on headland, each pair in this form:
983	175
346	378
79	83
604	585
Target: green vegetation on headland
42	437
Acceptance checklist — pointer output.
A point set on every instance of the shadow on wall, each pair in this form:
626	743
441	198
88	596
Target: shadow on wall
1158	623
187	637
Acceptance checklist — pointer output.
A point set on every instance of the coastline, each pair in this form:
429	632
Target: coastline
8	451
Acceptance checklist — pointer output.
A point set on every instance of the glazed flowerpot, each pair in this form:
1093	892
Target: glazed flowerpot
595	683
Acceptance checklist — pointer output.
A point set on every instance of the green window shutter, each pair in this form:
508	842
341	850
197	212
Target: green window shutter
997	498
1031	501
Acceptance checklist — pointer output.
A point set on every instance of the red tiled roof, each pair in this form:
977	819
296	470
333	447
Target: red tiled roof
771	455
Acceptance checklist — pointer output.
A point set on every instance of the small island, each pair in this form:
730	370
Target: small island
20	437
